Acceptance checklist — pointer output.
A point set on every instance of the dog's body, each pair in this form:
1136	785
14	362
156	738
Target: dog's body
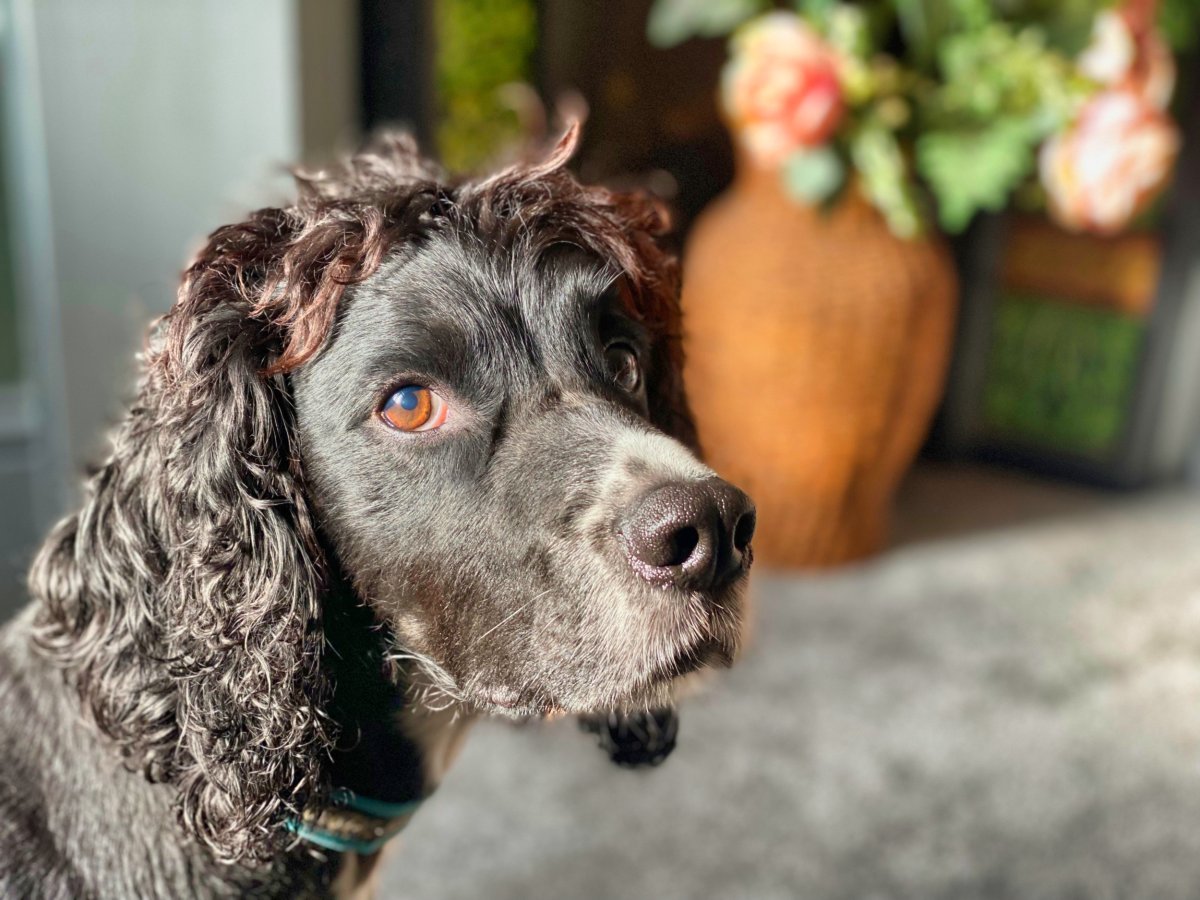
80	823
77	823
404	453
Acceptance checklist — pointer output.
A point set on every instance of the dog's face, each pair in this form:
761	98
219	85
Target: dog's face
477	444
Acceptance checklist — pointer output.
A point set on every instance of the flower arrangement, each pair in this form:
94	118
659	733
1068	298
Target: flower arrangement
945	108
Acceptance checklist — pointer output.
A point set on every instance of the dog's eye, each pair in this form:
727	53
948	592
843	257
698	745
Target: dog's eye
414	408
623	366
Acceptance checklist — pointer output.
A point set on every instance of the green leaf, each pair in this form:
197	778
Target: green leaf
920	33
1180	22
998	73
1066	24
817	11
813	176
672	22
848	30
885	178
975	170
925	24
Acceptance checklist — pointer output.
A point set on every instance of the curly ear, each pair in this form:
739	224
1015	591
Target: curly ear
184	600
652	287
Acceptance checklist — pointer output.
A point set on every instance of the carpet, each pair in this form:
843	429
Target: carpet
1014	714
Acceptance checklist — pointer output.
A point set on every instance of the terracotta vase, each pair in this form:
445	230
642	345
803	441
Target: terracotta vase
817	347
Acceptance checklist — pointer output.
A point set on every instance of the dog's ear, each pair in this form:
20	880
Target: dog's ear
184	600
651	289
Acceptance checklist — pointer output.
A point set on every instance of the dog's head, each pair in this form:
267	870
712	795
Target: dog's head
496	443
464	400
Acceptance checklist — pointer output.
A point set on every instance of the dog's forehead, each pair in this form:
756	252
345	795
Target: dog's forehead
463	288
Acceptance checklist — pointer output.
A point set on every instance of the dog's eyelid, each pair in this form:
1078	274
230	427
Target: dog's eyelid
635	339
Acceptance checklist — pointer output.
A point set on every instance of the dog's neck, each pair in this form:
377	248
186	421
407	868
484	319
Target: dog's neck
392	752
374	756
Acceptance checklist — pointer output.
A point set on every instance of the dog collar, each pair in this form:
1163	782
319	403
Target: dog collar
352	823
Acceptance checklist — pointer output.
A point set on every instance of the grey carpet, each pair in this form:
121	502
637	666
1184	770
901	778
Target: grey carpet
1014	714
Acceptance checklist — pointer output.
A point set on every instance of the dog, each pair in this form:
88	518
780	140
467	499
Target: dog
405	452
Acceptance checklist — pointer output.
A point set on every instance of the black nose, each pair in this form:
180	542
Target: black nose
692	534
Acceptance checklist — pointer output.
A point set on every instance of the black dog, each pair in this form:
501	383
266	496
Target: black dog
403	452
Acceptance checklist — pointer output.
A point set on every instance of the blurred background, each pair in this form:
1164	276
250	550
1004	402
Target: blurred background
942	315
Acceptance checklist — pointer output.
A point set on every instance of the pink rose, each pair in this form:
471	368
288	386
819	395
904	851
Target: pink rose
1105	168
1127	51
780	88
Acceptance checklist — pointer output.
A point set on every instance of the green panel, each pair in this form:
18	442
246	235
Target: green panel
482	45
1061	376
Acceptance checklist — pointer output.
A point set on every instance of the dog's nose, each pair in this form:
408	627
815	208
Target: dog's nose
692	534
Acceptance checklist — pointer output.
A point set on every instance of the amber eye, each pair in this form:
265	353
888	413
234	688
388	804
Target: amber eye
414	408
623	366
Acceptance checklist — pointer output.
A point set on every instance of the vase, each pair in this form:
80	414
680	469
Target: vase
817	345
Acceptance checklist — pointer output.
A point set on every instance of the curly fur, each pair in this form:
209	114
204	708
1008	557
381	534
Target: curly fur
184	600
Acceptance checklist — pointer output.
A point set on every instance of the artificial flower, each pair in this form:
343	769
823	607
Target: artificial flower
1127	51
780	88
1109	164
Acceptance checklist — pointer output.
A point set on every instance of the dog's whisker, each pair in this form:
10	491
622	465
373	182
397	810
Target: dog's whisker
524	606
430	686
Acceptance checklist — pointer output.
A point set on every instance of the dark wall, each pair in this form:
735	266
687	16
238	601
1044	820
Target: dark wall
396	39
653	117
653	111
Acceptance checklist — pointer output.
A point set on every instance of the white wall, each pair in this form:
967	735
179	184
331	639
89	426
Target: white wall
163	119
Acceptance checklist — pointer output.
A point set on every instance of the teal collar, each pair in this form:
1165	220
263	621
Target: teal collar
352	823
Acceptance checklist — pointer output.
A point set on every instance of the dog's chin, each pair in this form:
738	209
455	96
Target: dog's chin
649	683
656	690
